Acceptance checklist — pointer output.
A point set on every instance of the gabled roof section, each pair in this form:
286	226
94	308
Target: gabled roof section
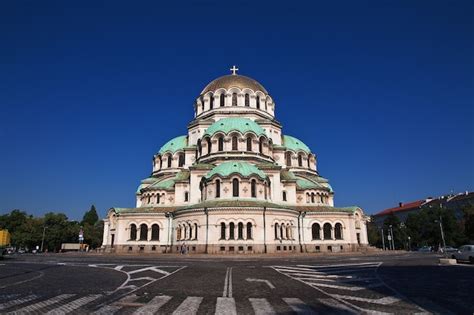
242	125
175	144
294	144
244	169
404	207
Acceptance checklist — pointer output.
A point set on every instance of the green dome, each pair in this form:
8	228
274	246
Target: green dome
241	125
174	145
233	167
294	144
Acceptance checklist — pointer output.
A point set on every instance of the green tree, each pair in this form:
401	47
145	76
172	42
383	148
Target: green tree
90	217
373	233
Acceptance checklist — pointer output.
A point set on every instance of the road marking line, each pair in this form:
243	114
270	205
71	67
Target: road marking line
149	268
377	264
261	306
71	306
114	307
35	307
225	306
270	285
189	306
294	268
299	274
336	305
118	267
298	306
224	292
230	282
382	301
153	306
348	288
142	278
17	302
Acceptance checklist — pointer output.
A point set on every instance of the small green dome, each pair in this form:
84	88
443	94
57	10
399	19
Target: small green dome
241	125
294	144
174	145
233	167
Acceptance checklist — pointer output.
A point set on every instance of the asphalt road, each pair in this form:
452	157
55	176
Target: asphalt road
186	284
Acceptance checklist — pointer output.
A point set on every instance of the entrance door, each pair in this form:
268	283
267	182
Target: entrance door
112	240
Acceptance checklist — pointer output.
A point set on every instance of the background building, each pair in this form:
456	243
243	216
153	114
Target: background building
234	183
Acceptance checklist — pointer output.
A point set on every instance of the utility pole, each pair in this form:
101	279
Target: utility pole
393	241
383	240
42	240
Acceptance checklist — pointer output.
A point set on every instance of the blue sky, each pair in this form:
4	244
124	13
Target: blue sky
381	91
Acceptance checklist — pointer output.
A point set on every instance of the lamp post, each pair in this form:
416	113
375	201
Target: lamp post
409	244
440	221
391	236
383	240
42	240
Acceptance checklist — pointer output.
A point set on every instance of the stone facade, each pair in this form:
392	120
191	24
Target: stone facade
234	184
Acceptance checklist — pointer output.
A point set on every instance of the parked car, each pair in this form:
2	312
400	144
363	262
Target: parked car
465	252
425	249
450	249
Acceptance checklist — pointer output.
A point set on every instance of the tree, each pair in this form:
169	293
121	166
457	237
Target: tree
373	233
90	217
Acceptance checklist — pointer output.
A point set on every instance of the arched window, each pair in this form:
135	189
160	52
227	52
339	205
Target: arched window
235	187
158	199
143	232
288	158
266	107
276	231
288	232
240	231
161	163
247	100
231	231
220	144
309	164
155	232
209	145
222	100
249	144
338	231
222	231
234	99
211	101
149	200
218	188
284	195
316	231
186	196
178	233
181	160
185	232
195	231
327	231
133	232
253	188
312	197
249	231
322	198
281	231
260	146
199	147
235	145
169	160
190	236
300	160
258	102
202	104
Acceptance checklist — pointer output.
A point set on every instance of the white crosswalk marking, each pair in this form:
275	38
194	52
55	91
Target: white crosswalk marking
298	306
261	306
71	306
112	308
382	301
15	302
153	306
37	306
225	306
189	306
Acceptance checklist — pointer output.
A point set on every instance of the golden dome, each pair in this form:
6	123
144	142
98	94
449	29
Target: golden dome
234	80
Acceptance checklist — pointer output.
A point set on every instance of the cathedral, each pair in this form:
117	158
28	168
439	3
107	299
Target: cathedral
234	184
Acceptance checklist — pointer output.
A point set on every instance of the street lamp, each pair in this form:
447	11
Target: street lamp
440	221
42	240
391	236
409	244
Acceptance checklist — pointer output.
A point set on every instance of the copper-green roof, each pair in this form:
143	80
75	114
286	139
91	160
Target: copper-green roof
237	202
294	144
235	167
242	125
175	144
287	175
326	209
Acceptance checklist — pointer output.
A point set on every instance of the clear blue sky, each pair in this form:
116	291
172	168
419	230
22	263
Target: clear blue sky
381	91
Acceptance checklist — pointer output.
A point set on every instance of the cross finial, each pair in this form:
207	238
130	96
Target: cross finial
234	69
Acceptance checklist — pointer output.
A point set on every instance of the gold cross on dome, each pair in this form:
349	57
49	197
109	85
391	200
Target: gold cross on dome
234	70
